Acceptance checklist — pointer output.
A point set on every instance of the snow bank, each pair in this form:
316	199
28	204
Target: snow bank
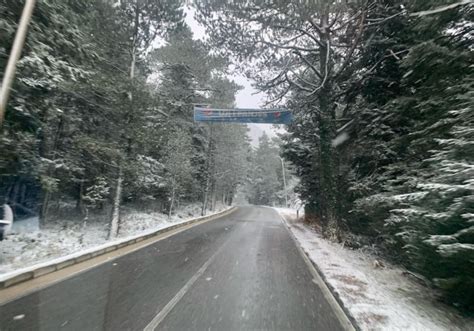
28	246
379	296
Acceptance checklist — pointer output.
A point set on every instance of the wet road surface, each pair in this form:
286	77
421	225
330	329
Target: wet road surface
240	272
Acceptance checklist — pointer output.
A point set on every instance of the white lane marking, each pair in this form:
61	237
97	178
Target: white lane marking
173	302
19	317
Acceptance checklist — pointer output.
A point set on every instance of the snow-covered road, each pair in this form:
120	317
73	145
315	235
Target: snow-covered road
242	271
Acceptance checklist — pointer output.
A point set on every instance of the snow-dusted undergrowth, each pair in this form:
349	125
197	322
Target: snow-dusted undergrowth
379	296
28	246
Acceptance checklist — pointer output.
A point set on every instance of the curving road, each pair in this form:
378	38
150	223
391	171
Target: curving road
242	271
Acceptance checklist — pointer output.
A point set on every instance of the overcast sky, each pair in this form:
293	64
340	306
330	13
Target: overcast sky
245	98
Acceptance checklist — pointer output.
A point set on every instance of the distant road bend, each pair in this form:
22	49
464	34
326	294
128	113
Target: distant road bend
242	271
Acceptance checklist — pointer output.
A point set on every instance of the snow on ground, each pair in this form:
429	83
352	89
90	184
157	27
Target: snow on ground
27	246
379	296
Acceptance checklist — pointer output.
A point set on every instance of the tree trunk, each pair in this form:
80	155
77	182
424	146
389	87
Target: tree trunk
9	189
327	196
44	208
213	196
173	193
208	176
14	196
23	194
205	197
80	198
115	221
48	150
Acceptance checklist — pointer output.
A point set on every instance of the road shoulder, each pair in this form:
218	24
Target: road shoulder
377	297
344	316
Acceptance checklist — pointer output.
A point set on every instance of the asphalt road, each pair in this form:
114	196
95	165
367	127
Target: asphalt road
240	272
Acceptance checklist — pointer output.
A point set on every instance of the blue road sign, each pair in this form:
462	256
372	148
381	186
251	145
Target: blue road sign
271	116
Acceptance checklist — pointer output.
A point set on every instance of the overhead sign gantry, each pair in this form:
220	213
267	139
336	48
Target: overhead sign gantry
242	115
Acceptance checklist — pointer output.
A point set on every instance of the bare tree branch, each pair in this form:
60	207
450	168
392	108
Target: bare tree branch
320	44
303	80
349	20
296	84
302	49
377	21
315	26
353	47
316	71
443	8
279	97
326	70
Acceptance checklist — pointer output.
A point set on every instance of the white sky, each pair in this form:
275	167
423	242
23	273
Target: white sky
245	98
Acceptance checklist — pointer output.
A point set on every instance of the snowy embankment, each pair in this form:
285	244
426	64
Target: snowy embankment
378	296
27	246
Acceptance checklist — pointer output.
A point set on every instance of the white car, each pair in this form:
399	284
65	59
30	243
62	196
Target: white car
6	222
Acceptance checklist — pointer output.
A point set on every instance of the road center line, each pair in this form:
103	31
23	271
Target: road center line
173	302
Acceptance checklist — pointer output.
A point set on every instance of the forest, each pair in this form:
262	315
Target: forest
382	141
97	119
383	136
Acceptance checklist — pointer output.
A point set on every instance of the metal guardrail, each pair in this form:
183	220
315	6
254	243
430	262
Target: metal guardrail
72	259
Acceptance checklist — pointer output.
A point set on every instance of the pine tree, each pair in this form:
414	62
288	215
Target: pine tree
264	182
410	181
41	105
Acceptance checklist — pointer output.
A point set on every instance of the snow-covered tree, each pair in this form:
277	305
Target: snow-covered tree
265	174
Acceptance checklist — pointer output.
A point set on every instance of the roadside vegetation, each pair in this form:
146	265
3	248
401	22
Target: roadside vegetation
383	136
101	113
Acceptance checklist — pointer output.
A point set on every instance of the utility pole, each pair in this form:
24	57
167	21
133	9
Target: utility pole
284	181
15	56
